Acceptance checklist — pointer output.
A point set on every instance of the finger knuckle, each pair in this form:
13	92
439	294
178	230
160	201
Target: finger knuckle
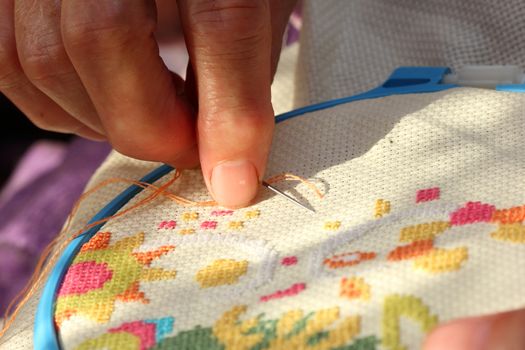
107	31
238	18
10	71
44	63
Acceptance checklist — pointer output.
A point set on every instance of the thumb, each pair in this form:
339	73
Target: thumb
229	42
499	331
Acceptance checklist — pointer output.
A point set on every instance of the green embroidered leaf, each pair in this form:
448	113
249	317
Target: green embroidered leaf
195	339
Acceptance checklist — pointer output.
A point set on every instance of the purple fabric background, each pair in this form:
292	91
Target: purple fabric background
33	215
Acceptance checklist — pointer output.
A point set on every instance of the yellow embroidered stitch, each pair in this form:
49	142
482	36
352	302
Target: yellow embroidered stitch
382	207
347	329
221	272
354	288
396	306
232	333
332	225
190	216
129	270
423	231
514	233
235	225
441	260
235	334
187	231
252	214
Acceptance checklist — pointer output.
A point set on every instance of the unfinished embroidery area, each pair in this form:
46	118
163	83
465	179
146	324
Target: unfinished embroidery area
421	223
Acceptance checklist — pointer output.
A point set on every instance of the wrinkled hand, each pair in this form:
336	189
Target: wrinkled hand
92	68
505	331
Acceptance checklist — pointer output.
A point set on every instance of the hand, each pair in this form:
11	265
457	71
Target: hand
92	68
501	331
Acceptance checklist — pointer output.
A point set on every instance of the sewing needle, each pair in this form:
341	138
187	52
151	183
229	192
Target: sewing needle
291	199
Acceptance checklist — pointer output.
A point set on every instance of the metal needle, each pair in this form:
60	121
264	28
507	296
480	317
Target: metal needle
291	199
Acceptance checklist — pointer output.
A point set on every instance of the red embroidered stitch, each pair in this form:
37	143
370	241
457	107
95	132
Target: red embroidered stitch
471	213
289	260
293	290
209	225
221	212
145	331
427	194
171	224
85	276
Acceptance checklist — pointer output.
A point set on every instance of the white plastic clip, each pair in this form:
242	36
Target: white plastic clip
486	76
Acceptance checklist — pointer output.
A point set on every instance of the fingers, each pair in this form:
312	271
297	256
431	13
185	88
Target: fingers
112	48
16	86
45	62
501	331
229	43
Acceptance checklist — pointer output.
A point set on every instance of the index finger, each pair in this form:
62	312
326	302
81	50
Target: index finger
112	46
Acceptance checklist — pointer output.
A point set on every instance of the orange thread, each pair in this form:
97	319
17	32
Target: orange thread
147	257
48	258
509	216
348	259
412	250
291	177
99	241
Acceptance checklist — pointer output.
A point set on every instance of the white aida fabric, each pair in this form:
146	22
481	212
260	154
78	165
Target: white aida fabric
352	46
421	223
460	146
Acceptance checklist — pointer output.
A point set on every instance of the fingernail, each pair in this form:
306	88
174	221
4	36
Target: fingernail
234	183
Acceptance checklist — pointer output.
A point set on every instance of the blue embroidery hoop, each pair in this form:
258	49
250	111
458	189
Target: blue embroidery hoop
404	80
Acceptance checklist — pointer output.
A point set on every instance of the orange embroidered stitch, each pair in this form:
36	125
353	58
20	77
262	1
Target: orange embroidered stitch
291	177
235	225
146	258
190	216
514	233
348	259
133	293
412	250
95	295
423	231
382	207
221	212
332	225
99	241
354	288
509	216
252	214
187	231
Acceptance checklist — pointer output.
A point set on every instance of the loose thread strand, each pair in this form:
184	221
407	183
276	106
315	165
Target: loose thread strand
53	250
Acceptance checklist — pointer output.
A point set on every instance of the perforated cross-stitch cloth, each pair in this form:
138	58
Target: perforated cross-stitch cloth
428	185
